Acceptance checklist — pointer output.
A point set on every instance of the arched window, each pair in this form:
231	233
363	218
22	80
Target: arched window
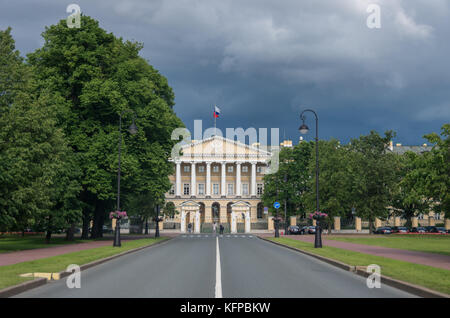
215	212
260	210
229	207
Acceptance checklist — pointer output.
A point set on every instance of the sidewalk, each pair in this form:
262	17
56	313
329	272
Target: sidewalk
430	259
38	253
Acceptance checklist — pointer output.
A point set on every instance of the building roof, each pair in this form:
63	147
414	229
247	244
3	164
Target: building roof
400	149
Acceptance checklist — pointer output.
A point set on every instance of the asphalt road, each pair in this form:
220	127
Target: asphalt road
188	267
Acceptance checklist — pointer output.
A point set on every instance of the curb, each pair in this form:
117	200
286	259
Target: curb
359	270
17	289
25	286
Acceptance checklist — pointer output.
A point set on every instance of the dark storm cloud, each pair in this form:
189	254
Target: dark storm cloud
264	61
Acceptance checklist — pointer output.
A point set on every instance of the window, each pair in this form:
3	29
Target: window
259	211
186	169
215	168
216	189
259	189
420	216
172	189
230	189
245	189
437	216
244	168
230	168
259	169
201	188
201	168
186	189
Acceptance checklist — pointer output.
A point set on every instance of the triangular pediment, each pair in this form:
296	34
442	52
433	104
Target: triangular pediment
219	146
241	203
190	203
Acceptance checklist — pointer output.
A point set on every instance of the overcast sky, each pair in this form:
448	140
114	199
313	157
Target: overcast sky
262	62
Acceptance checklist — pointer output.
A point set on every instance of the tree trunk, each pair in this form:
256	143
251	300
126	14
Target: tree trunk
86	221
146	225
97	227
23	233
140	226
48	236
70	232
370	225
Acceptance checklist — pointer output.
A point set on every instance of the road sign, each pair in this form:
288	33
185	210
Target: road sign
276	205
266	210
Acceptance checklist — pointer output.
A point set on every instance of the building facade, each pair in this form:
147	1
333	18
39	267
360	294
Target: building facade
217	180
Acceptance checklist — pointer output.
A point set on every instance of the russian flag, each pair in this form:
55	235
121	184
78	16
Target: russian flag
216	112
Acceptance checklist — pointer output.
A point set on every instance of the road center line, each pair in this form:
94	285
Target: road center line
218	271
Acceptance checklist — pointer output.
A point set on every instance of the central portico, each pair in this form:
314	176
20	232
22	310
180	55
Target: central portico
219	180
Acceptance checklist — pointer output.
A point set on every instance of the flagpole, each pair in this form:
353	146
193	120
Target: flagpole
215	118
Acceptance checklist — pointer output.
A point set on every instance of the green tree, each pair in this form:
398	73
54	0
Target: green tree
169	210
409	197
372	169
290	182
335	181
35	178
98	76
437	180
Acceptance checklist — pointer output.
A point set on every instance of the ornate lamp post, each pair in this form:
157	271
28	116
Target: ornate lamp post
304	130
132	130
157	219
285	210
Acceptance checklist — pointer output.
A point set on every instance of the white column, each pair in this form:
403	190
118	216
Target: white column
197	222
253	179
238	178
247	222
208	178
183	221
193	182
178	179
224	177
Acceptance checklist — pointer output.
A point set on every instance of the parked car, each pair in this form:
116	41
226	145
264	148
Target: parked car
399	229
429	229
294	229
383	230
107	230
440	230
418	229
303	230
311	230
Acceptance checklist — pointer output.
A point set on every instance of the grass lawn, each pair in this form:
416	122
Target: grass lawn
9	274
431	277
439	244
19	243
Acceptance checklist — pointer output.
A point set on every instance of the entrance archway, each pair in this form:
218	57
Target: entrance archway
190	213
239	209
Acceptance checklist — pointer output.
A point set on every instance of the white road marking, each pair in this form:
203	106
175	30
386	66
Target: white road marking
218	271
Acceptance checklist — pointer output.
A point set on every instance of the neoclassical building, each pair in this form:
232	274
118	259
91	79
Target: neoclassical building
219	180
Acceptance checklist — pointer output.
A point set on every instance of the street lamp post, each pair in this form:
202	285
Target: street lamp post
133	130
285	210
304	130
157	220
